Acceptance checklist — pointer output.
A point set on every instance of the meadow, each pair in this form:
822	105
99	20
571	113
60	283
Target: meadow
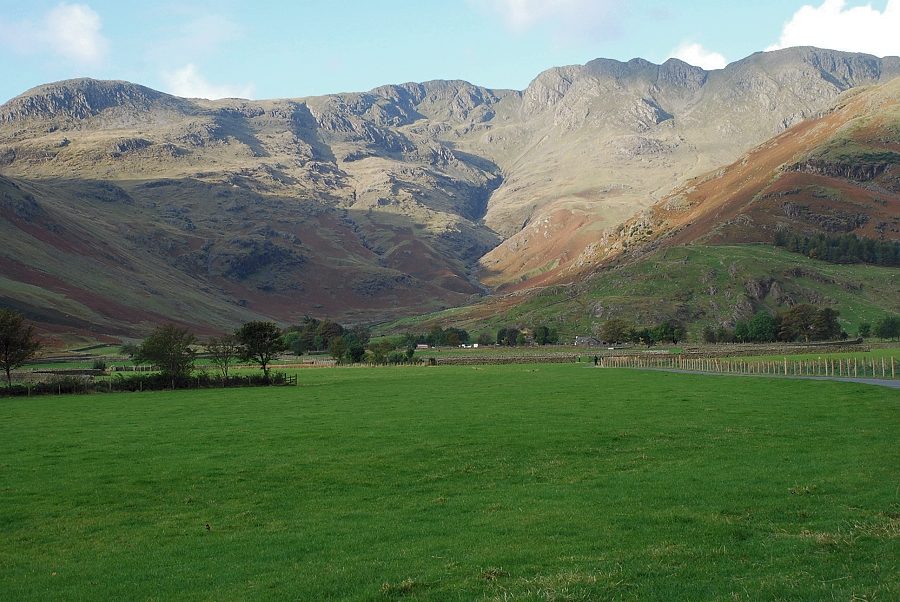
524	482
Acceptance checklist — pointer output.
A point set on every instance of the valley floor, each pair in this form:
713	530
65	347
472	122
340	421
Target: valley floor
526	482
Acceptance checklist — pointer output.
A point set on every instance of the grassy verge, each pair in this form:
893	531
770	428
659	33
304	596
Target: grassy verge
515	482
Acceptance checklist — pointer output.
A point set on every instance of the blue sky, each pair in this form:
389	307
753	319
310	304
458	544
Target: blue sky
309	47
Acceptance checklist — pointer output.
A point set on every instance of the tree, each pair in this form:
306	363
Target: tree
645	336
223	351
17	342
797	322
508	336
865	330
888	327
170	348
544	335
485	339
129	349
356	352
361	334
763	328
742	331
825	325
616	330
326	331
670	330
261	343
338	348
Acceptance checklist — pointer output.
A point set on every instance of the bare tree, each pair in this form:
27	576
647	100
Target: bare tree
223	352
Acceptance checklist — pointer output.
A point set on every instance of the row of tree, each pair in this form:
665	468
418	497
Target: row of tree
539	335
801	322
887	327
509	336
620	330
318	336
174	349
438	337
840	248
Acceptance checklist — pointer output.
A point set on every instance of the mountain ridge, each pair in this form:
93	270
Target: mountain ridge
404	198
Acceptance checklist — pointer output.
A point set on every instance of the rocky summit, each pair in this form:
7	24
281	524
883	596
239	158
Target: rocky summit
121	206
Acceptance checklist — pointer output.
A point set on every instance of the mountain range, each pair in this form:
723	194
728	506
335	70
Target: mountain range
122	207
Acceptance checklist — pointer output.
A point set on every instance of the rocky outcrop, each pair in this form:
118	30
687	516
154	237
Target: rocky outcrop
861	169
83	98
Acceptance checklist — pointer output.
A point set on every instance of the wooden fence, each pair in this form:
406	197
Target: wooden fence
882	368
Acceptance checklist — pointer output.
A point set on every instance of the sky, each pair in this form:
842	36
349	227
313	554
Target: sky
278	49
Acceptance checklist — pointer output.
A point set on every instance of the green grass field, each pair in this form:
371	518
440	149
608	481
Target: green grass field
557	482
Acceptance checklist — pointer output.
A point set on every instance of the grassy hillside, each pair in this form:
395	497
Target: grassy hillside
526	482
698	284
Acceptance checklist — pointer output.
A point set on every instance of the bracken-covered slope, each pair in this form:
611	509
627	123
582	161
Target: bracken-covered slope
837	173
691	256
122	205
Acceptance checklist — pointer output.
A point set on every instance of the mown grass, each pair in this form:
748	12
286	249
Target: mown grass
531	482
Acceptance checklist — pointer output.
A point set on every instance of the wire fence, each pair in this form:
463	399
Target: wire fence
883	368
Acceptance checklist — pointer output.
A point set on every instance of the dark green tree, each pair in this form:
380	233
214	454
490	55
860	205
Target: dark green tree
645	336
762	328
724	335
825	325
338	348
865	330
171	348
545	335
355	352
670	330
456	336
888	327
616	330
327	330
436	337
17	342
742	331
485	339
261	343
508	336
797	323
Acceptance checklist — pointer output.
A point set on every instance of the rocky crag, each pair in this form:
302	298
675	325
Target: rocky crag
363	206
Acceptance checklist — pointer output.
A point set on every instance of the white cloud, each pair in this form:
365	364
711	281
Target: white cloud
190	83
833	25
578	17
73	31
68	31
695	54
